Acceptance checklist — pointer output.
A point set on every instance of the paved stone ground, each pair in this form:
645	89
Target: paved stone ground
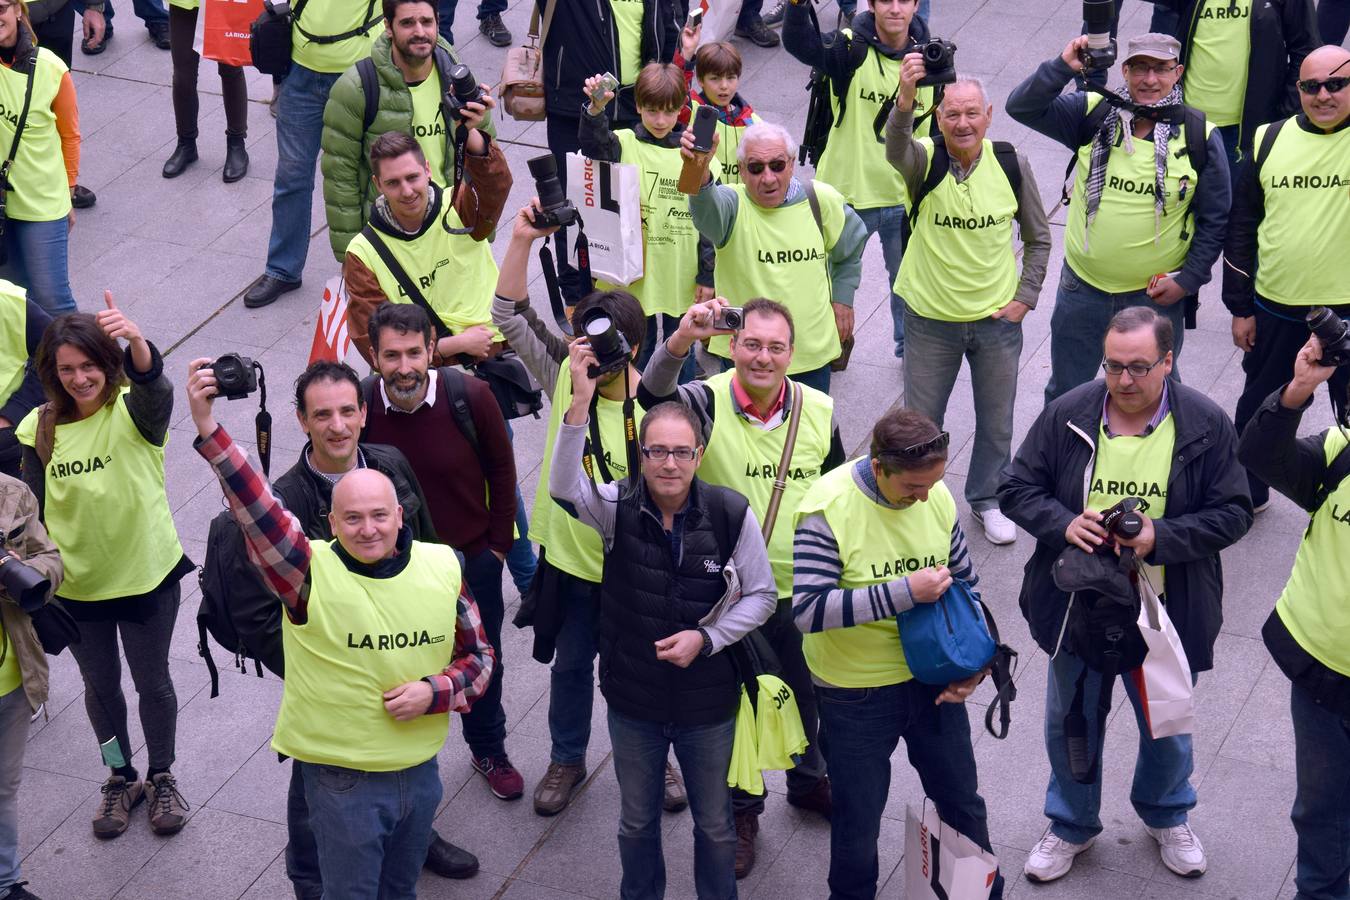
179	254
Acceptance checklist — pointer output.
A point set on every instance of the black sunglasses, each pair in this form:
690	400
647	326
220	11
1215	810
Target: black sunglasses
1312	87
923	448
775	165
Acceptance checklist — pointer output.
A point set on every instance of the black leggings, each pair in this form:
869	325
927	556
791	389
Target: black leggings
182	30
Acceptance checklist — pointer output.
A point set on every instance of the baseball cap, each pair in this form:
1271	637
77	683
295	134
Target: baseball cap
1153	45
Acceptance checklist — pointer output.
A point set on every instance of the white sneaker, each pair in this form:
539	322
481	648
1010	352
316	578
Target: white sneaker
1181	850
998	528
1052	858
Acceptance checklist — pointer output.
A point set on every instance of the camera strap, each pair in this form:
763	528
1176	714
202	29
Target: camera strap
18	127
401	276
555	297
594	447
262	423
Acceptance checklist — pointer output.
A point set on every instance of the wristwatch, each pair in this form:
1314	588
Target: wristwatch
707	644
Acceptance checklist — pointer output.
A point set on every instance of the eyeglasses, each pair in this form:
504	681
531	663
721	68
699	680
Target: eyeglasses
1136	370
659	454
775	165
1312	87
1145	69
923	448
753	347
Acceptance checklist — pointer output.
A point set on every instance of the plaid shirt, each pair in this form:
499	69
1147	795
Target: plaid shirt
278	548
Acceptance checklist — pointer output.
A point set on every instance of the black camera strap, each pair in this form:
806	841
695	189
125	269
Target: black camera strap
401	276
370	20
18	127
594	446
262	425
555	297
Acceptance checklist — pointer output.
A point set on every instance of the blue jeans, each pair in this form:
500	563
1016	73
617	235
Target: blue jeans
1229	134
372	828
993	348
300	104
888	221
1162	794
14	715
445	14
859	730
704	755
571	692
38	262
149	11
485	722
302	854
520	559
1078	328
1321	811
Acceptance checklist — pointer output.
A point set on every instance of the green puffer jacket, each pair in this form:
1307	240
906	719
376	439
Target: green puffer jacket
347	188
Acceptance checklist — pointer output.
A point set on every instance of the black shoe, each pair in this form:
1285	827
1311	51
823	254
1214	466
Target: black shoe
236	158
159	34
758	33
774	17
17	891
266	290
184	155
449	861
496	32
81	197
90	48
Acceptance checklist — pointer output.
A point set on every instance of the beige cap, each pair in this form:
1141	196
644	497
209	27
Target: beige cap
1154	46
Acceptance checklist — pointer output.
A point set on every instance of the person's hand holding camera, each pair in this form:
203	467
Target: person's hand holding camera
928	585
580	358
689	40
592	88
911	70
687	147
524	228
1142	543
1086	532
473	115
1308	374
697	323
1072	54
202	392
116	325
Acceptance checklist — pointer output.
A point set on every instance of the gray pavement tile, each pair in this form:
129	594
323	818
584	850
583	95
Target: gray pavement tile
588	825
1084	880
218	855
1256	568
272	884
801	869
47	800
257	789
517	889
482	886
1263	734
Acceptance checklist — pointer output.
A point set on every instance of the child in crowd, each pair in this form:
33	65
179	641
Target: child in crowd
718	67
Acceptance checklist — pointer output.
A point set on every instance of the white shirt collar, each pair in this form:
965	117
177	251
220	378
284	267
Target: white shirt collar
429	400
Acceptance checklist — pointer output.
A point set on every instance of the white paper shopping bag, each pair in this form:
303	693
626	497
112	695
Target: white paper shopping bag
609	197
943	864
1166	691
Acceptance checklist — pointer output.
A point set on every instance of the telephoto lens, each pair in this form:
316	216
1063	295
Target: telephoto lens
24	584
1334	334
610	349
555	209
464	85
1098	16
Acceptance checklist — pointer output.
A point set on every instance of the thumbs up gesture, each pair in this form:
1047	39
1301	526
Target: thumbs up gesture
115	324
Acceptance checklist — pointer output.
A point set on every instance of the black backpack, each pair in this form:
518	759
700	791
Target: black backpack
820	118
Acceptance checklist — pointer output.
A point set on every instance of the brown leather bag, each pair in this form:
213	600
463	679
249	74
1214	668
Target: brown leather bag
522	86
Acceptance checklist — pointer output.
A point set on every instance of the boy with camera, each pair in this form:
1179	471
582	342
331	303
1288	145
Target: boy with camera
717	66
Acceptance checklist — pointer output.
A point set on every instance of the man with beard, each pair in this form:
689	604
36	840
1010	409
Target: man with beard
451	429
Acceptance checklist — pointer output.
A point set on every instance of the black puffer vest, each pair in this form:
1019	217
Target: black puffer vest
646	595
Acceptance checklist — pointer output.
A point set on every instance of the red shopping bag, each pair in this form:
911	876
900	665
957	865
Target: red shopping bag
331	340
225	28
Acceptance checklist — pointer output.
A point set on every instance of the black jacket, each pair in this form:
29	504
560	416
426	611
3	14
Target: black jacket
1208	508
1283	33
254	609
582	41
646	594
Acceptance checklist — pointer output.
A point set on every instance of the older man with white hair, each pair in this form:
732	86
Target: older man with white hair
777	237
964	298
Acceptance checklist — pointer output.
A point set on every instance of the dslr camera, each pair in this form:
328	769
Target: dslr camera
1123	520
24	584
235	375
607	342
1334	334
555	210
939	59
1100	53
463	89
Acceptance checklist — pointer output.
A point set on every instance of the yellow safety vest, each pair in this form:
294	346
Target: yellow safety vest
41	189
1135	466
330	17
13	338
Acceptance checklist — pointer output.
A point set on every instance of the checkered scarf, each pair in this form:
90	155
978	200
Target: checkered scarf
1111	130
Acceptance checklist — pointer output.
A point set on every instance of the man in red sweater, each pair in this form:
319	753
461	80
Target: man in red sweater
451	430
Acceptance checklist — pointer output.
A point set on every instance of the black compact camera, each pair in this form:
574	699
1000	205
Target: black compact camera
463	89
939	59
1100	53
1334	334
729	318
555	210
1123	520
235	375
607	342
24	584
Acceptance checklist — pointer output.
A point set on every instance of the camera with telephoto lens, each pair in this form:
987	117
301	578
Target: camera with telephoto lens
464	88
1334	334
1123	520
729	318
939	59
607	342
235	375
24	584
555	210
1100	53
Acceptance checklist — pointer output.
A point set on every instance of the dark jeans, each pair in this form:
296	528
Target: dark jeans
571	694
1229	135
485	722
654	335
148	11
302	854
860	729
786	641
1333	20
520	559
445	15
704	755
57	34
750	11
1321	811
304	93
182	28
1280	333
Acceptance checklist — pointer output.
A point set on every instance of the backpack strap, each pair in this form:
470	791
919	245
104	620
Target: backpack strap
370	91
1006	154
814	202
938	165
1001	670
1335	474
359	30
458	395
1267	144
401	276
722	507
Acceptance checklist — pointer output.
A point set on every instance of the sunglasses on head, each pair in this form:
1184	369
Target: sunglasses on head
933	445
1312	87
775	165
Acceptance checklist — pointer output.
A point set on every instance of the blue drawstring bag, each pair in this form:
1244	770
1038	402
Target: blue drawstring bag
948	640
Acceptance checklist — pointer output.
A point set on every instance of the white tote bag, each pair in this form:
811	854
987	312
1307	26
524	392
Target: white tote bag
941	863
719	20
609	197
1164	680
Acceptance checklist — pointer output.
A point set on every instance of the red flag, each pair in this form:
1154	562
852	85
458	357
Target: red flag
330	331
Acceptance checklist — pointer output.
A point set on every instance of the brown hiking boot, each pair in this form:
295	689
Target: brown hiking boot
556	788
817	800
674	799
114	807
168	809
747	827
